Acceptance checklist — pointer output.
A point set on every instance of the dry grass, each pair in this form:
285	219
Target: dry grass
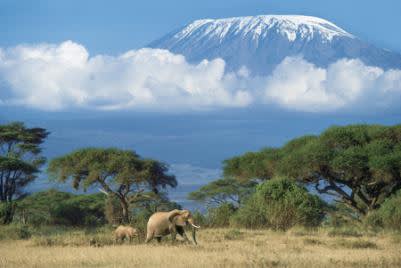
217	248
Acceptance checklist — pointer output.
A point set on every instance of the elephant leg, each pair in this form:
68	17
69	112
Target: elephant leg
173	236
181	232
149	237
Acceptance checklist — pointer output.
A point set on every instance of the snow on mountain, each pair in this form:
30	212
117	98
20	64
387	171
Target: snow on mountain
262	42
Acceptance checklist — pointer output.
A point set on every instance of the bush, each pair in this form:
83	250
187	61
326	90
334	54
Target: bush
200	219
280	204
220	216
15	232
251	215
113	210
7	211
388	216
234	234
139	220
80	210
341	216
55	207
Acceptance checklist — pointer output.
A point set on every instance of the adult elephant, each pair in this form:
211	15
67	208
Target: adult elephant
164	223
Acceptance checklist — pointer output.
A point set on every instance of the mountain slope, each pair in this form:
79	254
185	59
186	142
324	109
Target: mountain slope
261	42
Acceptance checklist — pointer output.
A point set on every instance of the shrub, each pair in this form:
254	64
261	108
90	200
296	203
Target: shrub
15	232
80	210
251	215
281	204
7	211
220	216
341	216
388	216
113	210
234	234
200	219
55	207
139	220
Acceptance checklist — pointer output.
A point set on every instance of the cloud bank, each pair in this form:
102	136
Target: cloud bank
65	76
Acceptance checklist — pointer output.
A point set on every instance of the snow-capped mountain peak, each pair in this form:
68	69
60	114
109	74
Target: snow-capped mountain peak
290	26
262	42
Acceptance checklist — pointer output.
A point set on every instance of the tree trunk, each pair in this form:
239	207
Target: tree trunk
124	206
8	212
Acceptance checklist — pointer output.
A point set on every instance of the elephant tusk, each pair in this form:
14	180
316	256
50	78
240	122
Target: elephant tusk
195	226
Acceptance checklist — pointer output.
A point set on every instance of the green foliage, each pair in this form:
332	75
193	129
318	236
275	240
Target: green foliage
341	216
7	210
54	207
113	210
388	216
220	216
358	164
199	218
36	209
80	210
20	160
252	165
280	204
222	191
15	232
119	173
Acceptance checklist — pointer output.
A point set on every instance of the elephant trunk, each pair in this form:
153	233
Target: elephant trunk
193	224
194	235
194	227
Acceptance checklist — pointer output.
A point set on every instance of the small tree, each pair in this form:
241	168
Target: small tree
20	160
119	173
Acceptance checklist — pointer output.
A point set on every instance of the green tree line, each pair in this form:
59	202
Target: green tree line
357	166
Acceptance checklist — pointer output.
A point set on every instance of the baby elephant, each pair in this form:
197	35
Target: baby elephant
123	232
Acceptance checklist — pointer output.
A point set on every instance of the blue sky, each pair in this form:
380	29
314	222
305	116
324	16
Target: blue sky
113	27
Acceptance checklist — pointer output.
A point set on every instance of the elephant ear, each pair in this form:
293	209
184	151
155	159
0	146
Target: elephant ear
185	213
174	213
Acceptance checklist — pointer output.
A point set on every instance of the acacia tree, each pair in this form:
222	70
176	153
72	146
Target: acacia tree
223	190
360	165
20	160
118	173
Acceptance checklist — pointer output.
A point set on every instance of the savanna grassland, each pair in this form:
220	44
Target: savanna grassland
217	248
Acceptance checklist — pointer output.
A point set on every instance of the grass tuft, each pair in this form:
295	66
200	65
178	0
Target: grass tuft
356	244
234	234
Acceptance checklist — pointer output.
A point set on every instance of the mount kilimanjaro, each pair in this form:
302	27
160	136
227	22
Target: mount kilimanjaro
262	42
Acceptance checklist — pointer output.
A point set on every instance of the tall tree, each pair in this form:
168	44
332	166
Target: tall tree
119	173
20	160
358	164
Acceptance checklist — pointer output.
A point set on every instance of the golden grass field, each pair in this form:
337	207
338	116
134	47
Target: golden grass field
217	248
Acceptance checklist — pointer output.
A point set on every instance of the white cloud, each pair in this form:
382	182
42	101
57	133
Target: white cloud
64	76
346	84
